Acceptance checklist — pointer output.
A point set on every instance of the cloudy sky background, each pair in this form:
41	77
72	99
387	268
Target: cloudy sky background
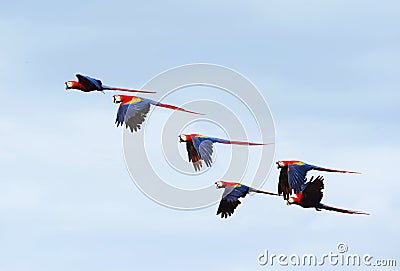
329	71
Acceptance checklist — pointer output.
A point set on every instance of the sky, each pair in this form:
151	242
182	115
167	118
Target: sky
329	71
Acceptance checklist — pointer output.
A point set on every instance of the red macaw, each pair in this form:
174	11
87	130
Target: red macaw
311	197
293	176
200	147
88	84
133	110
231	195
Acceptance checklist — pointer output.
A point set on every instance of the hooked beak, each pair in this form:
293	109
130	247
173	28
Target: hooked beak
115	100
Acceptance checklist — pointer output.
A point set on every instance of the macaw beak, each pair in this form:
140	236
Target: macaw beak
66	86
287	202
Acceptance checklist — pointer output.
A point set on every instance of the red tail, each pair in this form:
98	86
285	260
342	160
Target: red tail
330	208
336	170
245	143
176	108
265	192
128	90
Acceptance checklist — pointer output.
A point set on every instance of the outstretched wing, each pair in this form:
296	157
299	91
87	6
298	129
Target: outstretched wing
312	193
193	155
133	113
230	199
89	82
204	148
297	175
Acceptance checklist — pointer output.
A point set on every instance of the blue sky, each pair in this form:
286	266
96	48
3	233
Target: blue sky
329	71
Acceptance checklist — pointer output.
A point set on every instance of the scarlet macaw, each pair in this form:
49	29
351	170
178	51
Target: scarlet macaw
311	197
231	195
88	84
133	110
293	176
200	147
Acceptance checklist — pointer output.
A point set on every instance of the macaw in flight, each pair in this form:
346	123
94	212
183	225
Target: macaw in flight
133	110
311	197
232	193
200	147
88	84
292	176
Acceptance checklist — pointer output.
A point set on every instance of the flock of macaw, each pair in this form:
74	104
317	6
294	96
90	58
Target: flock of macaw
132	112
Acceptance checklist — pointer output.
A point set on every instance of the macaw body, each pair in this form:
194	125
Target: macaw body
311	197
89	84
200	147
293	173
232	193
133	110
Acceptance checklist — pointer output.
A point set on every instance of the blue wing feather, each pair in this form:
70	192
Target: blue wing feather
133	115
233	193
204	147
230	199
89	81
297	175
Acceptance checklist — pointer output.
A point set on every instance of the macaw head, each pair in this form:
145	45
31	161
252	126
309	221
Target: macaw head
293	199
219	184
280	164
71	84
182	138
117	99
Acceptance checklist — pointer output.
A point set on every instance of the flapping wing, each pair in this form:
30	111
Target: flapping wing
193	155
312	193
204	148
283	184
230	200
89	82
297	175
133	113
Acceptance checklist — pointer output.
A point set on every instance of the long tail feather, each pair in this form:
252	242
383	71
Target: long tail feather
176	108
244	143
128	90
263	192
337	170
330	208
